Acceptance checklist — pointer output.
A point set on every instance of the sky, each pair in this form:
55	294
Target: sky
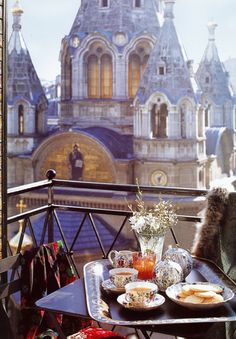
46	22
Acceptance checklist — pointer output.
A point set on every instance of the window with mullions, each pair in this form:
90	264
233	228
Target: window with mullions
100	76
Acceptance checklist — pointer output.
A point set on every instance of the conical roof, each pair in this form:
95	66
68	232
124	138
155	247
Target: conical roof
23	81
211	74
167	69
118	16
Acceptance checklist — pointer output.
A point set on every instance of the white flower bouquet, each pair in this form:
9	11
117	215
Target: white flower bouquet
153	220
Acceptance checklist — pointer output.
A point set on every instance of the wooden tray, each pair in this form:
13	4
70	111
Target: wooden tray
103	306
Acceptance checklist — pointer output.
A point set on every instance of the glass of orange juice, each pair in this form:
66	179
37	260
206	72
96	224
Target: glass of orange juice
145	264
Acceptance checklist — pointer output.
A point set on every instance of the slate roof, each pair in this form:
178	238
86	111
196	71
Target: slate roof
121	146
87	241
23	81
167	52
120	15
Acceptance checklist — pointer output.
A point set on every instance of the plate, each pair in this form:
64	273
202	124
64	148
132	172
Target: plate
158	301
110	287
173	290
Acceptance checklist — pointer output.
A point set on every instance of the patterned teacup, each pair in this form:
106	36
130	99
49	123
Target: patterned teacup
140	293
122	276
122	258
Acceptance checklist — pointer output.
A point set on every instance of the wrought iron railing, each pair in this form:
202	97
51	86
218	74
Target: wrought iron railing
52	187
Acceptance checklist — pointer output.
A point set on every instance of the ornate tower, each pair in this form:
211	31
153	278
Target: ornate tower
27	104
169	140
214	83
219	112
102	61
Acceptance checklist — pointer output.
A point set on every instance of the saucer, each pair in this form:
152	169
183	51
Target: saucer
110	287
158	301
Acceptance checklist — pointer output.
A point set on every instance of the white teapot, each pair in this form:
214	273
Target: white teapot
181	257
122	258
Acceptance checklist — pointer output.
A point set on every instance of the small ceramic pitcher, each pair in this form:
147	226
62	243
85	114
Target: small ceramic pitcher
122	258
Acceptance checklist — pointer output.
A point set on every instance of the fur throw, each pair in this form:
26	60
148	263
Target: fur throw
206	243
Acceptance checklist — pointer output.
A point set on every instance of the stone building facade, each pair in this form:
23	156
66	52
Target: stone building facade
129	102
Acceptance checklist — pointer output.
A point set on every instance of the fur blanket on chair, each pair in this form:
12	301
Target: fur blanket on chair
215	239
206	243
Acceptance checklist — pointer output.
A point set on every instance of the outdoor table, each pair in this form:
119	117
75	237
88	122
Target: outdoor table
86	298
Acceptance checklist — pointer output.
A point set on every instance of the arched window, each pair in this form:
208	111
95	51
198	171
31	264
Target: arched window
200	123
207	113
162	127
154	121
21	119
93	77
159	121
182	122
137	3
137	66
200	176
100	76
67	84
134	74
106	76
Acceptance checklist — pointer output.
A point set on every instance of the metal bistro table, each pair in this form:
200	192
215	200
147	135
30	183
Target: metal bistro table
86	298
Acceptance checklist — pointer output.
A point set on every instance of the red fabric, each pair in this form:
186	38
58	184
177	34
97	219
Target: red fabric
96	333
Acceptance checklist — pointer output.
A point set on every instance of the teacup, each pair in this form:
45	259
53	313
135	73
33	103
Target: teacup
140	293
122	258
122	276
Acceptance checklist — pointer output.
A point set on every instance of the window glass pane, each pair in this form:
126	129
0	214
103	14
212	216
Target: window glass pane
93	76
134	74
106	76
21	119
104	3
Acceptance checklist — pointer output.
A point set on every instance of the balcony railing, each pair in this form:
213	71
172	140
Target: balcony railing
111	200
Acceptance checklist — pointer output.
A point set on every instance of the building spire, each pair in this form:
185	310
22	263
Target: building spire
211	29
17	12
211	74
169	9
166	70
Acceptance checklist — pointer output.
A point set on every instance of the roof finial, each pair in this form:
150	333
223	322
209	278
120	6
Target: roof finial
16	9
168	12
211	28
16	12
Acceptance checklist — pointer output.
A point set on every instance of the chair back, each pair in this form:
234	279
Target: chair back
228	238
10	283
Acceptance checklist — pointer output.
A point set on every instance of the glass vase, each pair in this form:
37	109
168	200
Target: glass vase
151	244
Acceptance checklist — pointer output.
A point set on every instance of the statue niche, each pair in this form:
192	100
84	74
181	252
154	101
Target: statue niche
159	116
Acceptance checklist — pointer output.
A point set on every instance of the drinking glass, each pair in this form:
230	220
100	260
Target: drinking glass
145	264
